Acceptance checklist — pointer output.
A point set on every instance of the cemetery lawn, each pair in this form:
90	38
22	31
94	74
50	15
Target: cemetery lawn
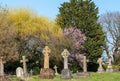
93	77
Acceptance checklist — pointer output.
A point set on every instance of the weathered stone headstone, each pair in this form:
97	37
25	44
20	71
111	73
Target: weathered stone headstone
31	73
66	73
2	66
56	72
84	73
100	68
46	72
24	60
2	74
109	67
19	72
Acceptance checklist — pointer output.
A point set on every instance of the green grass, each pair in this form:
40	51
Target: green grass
93	77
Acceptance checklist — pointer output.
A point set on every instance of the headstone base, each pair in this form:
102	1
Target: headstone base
100	70
47	73
82	74
109	70
66	74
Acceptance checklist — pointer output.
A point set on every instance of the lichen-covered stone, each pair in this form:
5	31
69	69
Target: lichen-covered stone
47	73
66	74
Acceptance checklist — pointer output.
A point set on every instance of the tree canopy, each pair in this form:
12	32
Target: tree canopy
83	14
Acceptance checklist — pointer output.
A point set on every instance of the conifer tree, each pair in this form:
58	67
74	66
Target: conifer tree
83	14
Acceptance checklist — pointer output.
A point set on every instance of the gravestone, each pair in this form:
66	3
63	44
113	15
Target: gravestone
19	72
2	67
84	64
109	67
100	68
56	72
31	73
2	74
25	73
66	73
84	73
46	72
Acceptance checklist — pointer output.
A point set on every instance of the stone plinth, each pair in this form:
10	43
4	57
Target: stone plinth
66	74
47	73
82	74
100	70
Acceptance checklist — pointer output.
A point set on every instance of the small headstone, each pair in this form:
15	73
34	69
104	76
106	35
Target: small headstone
46	72
19	72
84	73
56	72
109	67
66	73
100	68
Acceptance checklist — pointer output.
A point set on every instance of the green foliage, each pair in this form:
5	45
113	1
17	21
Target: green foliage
83	15
113	66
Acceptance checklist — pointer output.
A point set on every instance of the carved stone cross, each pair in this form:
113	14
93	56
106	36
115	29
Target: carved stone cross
56	72
65	55
46	51
84	64
100	68
100	62
24	64
1	66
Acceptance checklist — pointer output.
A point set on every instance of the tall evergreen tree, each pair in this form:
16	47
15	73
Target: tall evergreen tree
83	14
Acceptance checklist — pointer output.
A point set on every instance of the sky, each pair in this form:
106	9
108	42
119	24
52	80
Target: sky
50	8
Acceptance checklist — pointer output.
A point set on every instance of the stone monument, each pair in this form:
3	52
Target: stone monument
84	73
109	67
2	74
19	72
56	72
25	73
66	73
46	72
100	68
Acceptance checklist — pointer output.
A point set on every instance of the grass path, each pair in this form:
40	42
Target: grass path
93	77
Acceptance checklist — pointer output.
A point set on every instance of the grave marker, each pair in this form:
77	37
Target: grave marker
46	72
100	68
56	72
84	64
66	73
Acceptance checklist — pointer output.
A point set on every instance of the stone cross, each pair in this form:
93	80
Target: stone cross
2	66
56	72
46	51
100	68
84	64
65	55
24	64
100	62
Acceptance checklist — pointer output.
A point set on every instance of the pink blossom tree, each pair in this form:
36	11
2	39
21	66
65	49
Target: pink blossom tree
77	39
